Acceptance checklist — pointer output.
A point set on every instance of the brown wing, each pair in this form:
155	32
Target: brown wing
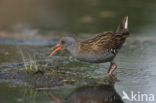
102	42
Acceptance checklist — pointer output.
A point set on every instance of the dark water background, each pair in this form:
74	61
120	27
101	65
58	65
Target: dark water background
31	27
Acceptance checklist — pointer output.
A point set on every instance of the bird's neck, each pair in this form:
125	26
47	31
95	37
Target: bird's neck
73	48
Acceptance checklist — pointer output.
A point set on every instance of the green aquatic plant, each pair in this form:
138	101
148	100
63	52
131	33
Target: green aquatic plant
31	65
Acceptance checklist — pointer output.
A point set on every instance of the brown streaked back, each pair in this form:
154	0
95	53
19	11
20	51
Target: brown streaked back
107	40
102	42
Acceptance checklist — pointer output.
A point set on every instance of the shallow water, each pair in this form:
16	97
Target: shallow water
61	75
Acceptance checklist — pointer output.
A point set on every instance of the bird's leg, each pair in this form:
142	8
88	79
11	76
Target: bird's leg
110	67
114	66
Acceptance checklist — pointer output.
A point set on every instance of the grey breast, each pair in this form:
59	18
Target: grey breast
92	57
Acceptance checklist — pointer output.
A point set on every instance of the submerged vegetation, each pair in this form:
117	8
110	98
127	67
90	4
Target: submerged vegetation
36	73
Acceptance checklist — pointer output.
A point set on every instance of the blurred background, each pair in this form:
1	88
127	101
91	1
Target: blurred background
28	28
75	17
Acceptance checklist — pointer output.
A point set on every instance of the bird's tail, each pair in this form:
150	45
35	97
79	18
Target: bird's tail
123	26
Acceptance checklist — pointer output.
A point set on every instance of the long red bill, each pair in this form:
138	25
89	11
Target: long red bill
56	47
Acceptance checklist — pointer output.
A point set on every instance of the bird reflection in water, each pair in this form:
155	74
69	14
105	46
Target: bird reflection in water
92	94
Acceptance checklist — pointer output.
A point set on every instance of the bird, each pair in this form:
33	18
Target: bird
101	48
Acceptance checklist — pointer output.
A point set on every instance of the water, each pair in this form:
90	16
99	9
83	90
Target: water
25	42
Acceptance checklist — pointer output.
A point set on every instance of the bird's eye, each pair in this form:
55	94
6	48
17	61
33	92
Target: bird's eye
63	42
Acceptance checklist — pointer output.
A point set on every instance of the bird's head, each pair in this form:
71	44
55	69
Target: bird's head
68	43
